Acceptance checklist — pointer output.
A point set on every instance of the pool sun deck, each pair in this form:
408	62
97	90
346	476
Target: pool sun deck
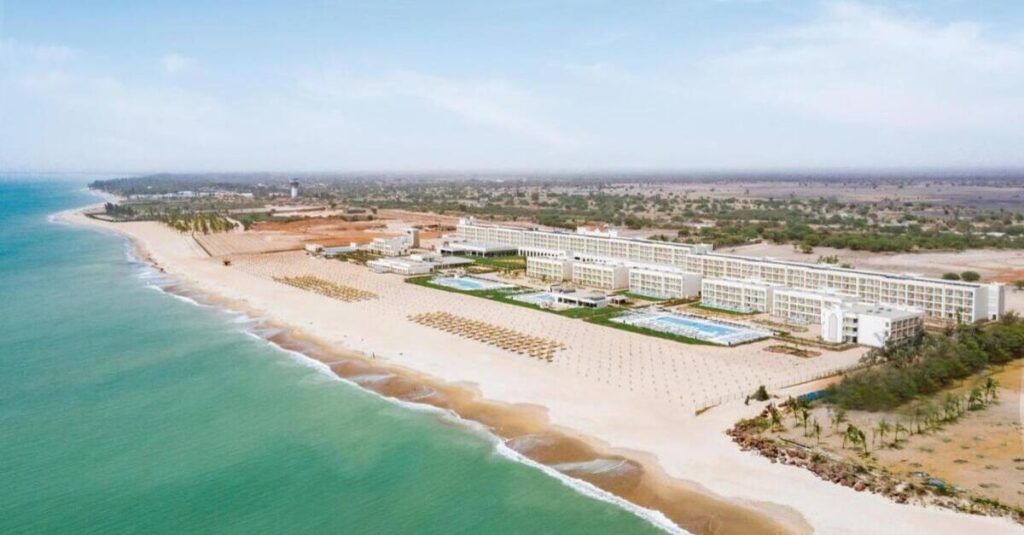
714	331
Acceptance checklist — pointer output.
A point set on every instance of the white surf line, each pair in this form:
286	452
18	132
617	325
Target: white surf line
653	517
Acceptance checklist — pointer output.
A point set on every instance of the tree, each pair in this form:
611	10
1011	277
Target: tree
882	427
837	416
1018	284
919	413
854	436
951	276
991	389
900	428
817	431
776	417
970	276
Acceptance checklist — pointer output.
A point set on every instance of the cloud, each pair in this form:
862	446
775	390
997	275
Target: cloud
175	63
490	103
862	65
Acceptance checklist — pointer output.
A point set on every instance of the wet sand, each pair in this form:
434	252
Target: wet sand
654	444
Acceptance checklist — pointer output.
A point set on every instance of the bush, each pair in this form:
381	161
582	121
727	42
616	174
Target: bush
970	276
761	394
930	365
951	276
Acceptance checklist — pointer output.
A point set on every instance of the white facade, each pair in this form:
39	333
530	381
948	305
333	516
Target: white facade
870	325
740	296
634	249
549	269
603	276
804	306
400	266
663	284
949	300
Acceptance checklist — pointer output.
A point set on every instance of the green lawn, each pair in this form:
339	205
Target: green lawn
515	263
606	321
722	310
640	297
599	316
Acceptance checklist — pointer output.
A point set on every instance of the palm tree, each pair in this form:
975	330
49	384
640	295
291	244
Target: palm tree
883	428
776	417
991	388
950	408
817	431
837	417
896	432
854	436
791	407
804	415
915	419
976	399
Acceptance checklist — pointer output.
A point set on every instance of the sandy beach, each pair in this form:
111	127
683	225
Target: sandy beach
607	393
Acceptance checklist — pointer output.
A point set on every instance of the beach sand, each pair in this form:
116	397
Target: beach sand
627	400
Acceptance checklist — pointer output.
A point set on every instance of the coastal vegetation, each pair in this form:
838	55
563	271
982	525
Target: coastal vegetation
680	211
897	375
202	223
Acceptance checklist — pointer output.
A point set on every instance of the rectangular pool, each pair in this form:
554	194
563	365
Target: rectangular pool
708	330
537	298
469	284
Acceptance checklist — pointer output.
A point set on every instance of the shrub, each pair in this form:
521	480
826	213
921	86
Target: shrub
929	365
970	276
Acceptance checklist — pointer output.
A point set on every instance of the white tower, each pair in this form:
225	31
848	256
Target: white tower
295	187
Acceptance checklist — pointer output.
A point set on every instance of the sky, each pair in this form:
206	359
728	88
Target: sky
552	85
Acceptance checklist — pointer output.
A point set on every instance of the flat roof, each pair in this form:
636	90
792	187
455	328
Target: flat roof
480	246
570	233
885	311
723	256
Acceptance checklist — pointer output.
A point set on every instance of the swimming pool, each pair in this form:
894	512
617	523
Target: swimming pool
468	284
537	298
708	330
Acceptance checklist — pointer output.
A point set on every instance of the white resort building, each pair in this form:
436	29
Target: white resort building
397	246
736	295
663	283
549	269
804	306
601	276
947	300
870	325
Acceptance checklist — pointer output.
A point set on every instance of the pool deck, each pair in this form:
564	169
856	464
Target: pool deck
731	333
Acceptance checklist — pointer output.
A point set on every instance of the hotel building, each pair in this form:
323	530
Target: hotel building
739	296
601	276
663	283
870	325
949	300
549	269
804	306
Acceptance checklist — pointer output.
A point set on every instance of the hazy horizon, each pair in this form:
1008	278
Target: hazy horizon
576	86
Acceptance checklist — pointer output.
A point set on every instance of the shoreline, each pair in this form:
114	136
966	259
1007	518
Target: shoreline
647	491
689	503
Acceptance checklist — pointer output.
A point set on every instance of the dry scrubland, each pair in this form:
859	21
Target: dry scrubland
982	452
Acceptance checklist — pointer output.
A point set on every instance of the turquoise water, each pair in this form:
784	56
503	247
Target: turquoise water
469	283
124	409
703	329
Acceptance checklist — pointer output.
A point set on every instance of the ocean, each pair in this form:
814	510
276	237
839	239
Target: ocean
124	408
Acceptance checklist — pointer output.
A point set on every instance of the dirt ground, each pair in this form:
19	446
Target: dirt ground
983	452
1008	196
